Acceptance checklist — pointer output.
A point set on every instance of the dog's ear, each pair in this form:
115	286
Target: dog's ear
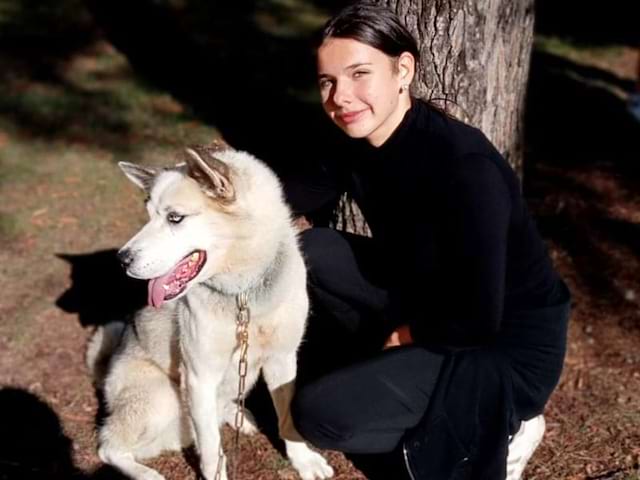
211	173
141	176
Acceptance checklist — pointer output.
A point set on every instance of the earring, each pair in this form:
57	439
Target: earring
404	88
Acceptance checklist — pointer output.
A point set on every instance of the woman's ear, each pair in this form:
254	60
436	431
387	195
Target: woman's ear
406	68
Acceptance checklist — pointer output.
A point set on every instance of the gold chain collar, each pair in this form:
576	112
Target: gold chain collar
243	317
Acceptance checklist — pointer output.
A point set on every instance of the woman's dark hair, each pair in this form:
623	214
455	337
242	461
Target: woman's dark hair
373	25
380	28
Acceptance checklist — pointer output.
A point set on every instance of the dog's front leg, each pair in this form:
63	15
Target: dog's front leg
201	383
279	374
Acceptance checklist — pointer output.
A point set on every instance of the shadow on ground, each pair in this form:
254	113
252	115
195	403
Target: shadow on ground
574	117
33	444
578	128
590	23
100	291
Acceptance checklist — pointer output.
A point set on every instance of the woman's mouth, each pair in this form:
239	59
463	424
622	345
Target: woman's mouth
350	117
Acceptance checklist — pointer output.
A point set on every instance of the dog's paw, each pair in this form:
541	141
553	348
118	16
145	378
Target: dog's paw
209	472
309	464
151	475
248	424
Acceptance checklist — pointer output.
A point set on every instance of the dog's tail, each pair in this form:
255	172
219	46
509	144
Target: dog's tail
100	349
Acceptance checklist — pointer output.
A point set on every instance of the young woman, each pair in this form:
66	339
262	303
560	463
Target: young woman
441	337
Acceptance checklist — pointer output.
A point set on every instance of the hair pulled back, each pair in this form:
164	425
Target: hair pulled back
373	25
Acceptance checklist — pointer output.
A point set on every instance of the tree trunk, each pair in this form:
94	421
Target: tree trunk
474	63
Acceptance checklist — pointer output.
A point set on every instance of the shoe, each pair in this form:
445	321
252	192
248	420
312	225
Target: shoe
522	445
633	106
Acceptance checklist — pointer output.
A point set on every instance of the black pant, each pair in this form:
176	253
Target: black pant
353	396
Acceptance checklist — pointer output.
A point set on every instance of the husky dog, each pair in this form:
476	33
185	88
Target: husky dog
218	228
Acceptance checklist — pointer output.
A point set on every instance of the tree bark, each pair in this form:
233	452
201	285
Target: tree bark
474	63
474	58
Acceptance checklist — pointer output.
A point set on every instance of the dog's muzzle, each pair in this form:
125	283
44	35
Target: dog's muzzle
125	256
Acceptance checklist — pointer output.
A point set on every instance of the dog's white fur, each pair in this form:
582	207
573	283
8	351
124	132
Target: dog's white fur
173	376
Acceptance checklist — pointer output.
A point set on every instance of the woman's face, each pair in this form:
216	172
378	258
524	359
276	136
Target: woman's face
361	88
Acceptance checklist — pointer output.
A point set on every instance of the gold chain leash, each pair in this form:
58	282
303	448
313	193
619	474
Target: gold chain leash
242	336
220	465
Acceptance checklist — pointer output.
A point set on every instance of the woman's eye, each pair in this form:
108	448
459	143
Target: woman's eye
324	84
175	218
359	73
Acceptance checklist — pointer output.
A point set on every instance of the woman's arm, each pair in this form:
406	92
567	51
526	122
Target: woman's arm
302	223
471	256
315	187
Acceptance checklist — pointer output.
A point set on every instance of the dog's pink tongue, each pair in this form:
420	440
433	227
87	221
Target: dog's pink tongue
156	290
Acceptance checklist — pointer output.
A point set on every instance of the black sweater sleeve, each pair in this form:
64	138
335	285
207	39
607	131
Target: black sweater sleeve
318	186
472	254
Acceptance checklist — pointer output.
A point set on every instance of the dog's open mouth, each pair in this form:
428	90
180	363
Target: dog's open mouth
172	284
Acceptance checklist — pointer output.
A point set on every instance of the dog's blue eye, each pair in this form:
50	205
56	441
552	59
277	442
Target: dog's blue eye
173	217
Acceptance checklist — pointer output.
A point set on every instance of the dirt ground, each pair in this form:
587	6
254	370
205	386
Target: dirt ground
64	207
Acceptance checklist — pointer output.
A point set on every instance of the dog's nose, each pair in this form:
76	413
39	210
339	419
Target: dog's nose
126	257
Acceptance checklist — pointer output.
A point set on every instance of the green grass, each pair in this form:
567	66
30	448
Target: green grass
42	18
591	56
9	227
564	47
14	165
289	18
100	101
633	476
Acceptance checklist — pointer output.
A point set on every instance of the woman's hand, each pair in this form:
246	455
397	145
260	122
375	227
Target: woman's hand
400	336
302	223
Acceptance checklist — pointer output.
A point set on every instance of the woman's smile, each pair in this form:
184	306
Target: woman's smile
350	117
361	88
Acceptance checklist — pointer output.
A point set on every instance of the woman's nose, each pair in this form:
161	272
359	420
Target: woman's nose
341	94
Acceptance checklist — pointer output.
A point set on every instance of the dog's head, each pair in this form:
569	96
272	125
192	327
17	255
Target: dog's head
194	219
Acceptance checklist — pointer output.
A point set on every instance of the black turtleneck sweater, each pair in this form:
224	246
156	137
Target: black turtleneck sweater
456	243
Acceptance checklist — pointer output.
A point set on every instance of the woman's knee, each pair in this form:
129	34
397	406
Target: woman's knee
331	262
318	423
320	244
